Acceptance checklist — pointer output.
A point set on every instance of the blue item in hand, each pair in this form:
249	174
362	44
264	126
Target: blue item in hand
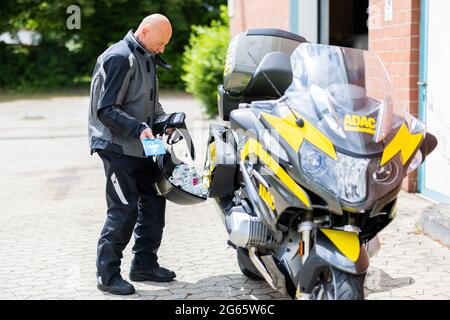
153	147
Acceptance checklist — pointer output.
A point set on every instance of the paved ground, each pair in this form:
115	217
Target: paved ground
52	209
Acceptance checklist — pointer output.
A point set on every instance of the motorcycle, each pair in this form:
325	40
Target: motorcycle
308	169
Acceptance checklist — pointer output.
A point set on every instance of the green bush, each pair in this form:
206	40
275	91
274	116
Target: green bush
32	68
203	61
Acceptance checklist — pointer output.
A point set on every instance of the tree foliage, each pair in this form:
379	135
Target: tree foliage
204	58
68	56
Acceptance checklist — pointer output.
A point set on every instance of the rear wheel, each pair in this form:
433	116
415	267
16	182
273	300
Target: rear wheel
340	285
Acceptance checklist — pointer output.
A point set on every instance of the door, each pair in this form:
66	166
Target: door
342	22
434	97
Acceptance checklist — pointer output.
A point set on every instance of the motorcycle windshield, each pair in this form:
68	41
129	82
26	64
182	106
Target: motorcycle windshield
344	92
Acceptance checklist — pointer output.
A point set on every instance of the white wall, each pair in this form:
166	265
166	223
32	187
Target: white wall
437	166
308	21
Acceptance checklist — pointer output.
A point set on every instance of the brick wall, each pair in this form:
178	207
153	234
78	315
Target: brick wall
397	43
259	14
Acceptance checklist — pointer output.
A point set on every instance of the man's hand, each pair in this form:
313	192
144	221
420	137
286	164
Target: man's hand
147	133
169	131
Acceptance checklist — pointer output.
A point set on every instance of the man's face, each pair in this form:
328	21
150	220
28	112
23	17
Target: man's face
155	39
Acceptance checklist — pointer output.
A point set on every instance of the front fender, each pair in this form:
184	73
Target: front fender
339	249
342	250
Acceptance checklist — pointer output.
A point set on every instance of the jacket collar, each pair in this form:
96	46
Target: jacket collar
134	44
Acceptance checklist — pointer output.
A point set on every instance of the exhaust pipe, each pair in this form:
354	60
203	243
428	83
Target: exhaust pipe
260	267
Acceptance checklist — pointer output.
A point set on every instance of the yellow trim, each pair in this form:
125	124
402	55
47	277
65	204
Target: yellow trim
212	161
359	123
267	197
346	242
253	146
403	142
212	151
294	135
359	129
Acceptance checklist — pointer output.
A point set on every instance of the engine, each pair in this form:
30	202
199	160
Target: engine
247	231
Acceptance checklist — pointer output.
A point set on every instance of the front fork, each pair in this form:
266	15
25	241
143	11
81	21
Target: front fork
320	247
305	229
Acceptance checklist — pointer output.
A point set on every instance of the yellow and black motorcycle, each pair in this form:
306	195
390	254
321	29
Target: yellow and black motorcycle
308	169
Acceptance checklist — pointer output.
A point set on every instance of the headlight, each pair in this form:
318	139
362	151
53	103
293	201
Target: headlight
345	178
351	175
313	161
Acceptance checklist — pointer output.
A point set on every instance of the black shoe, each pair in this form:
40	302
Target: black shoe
119	286
157	274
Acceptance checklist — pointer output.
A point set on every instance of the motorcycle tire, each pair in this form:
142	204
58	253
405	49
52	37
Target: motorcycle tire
344	286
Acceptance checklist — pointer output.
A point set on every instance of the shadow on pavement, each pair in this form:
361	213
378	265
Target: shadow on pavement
223	287
238	287
378	280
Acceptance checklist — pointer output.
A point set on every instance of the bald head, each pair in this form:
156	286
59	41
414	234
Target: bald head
154	32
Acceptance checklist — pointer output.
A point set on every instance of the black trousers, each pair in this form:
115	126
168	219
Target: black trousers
132	204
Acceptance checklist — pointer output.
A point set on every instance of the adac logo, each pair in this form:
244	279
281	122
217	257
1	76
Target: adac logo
359	123
267	197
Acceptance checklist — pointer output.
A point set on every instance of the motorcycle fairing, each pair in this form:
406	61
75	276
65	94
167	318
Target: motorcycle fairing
347	242
253	147
283	197
326	253
401	146
329	251
246	121
323	254
316	265
294	135
404	142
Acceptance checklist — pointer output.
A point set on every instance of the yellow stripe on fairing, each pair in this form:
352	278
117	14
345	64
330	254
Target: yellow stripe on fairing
346	242
253	147
359	129
403	142
294	135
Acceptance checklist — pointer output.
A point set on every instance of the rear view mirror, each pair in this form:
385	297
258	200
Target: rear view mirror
428	145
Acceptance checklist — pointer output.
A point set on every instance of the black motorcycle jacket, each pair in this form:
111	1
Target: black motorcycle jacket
123	97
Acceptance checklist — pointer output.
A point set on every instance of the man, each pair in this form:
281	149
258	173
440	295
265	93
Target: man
124	103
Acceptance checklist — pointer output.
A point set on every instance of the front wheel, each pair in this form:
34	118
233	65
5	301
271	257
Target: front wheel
340	285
